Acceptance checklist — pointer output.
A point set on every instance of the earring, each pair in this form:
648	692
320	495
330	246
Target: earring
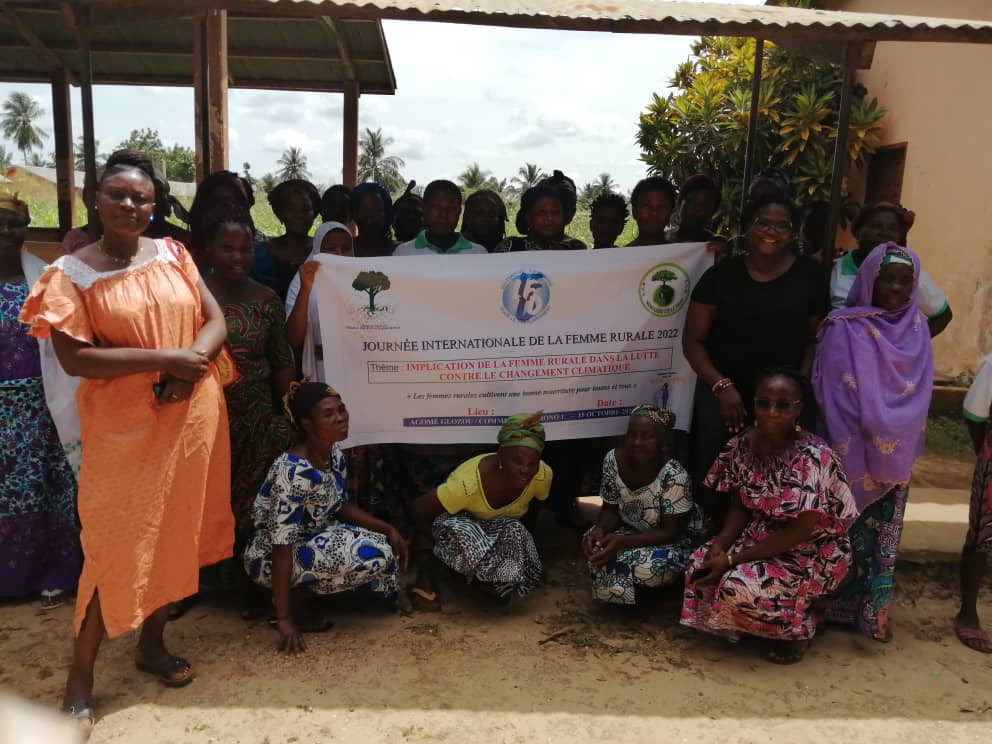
499	464
798	428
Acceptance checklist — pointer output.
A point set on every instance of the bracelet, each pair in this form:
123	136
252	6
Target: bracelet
722	384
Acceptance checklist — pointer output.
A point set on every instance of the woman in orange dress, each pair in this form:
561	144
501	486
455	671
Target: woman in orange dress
131	316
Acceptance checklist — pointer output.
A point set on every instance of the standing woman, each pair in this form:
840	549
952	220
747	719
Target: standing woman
39	530
296	204
541	224
873	376
749	312
784	543
484	219
651	203
132	317
372	211
256	335
225	191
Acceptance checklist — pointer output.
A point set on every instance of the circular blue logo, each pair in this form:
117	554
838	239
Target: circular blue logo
526	296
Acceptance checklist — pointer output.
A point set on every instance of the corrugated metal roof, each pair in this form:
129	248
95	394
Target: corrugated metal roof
264	51
654	16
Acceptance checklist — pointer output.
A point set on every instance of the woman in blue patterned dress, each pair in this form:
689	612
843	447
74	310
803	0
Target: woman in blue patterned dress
649	524
39	530
308	538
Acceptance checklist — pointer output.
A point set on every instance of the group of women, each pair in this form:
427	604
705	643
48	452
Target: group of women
200	444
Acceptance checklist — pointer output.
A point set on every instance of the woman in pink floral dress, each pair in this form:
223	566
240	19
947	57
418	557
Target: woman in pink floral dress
784	543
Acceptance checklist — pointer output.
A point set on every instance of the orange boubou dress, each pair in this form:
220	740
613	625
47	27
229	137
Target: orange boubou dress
154	485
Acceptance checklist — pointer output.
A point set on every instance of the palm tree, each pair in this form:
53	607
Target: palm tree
473	178
268	182
5	158
20	111
375	165
605	183
293	164
79	154
500	185
527	175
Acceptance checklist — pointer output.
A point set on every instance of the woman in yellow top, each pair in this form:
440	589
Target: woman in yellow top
475	516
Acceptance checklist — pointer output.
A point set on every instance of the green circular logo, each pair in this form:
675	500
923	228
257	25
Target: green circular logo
664	289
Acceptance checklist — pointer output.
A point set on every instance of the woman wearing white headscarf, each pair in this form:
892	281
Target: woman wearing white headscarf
302	324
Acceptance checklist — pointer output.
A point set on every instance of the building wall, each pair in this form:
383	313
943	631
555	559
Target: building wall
939	98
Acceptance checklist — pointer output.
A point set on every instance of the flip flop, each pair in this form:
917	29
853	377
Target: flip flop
165	669
52	600
423	600
82	713
974	638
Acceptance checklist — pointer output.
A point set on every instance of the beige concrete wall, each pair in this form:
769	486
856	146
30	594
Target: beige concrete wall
939	98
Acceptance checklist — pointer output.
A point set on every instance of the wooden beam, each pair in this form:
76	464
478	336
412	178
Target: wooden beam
86	97
162	50
46	55
217	87
201	99
349	68
65	185
349	152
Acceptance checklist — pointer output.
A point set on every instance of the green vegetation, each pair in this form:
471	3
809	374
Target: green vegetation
948	437
20	112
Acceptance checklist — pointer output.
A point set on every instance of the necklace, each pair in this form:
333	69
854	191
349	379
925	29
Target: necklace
116	259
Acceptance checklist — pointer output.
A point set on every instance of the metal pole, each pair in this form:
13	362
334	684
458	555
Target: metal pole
752	122
86	97
840	158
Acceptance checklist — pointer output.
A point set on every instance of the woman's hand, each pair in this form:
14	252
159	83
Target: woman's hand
732	409
307	273
174	390
401	551
590	541
290	638
186	364
606	549
716	563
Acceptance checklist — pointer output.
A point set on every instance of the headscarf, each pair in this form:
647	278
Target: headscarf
387	201
873	377
309	360
530	198
657	415
522	430
301	397
12	203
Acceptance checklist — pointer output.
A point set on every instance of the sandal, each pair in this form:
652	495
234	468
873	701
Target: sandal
424	600
785	653
171	671
82	713
974	638
52	600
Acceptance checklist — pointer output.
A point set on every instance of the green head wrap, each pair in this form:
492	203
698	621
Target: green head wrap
522	430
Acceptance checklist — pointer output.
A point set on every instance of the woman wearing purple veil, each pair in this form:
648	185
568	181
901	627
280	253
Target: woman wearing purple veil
873	376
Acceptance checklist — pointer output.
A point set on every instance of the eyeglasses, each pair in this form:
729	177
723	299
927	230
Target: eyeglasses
781	228
779	406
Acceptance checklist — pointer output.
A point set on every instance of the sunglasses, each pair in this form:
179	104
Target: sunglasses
779	406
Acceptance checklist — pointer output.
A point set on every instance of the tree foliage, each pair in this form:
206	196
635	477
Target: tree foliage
18	122
702	125
603	184
175	162
528	174
474	178
292	164
375	165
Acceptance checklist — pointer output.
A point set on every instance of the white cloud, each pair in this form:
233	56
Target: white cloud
412	144
280	139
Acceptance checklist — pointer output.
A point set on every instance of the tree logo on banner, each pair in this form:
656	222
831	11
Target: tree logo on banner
526	296
372	283
664	289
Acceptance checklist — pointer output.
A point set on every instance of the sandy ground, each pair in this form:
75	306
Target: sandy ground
552	668
931	471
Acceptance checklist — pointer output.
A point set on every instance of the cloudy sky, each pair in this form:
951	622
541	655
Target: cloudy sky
501	97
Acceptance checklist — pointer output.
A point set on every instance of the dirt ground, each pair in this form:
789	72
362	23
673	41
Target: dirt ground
931	471
552	668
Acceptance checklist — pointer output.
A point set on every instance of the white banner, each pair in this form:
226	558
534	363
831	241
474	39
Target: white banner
439	349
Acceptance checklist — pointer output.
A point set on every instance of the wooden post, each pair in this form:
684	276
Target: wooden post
840	158
64	168
217	88
752	122
349	170
201	100
86	97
